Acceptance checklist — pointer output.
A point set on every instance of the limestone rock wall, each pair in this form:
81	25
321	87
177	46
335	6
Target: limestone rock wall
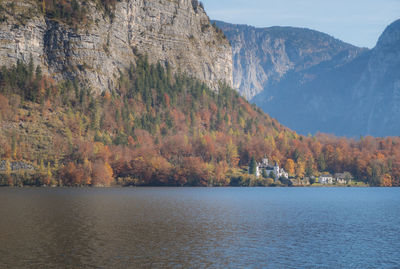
376	96
263	57
174	31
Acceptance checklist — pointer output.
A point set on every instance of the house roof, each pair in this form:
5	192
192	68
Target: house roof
268	167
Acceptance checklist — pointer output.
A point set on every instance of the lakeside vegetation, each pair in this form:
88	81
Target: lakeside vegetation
161	129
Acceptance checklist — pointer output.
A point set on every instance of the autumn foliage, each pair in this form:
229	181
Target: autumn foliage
157	128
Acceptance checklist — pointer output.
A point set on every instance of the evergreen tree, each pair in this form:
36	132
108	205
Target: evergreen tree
321	162
264	173
272	175
253	166
38	73
309	168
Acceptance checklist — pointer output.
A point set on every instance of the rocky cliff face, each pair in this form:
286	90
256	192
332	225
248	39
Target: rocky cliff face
263	57
323	102
174	31
312	82
377	94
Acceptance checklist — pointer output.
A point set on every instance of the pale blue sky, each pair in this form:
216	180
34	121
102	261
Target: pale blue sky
359	22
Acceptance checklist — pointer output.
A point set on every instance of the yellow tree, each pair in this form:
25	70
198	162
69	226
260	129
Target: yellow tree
289	166
386	181
102	173
41	167
8	167
10	181
88	169
232	155
47	177
300	169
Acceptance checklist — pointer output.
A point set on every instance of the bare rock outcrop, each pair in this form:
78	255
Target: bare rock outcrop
174	31
263	57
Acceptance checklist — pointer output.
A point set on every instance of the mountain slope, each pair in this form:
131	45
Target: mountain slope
263	57
155	121
92	41
377	93
152	129
319	99
159	129
359	97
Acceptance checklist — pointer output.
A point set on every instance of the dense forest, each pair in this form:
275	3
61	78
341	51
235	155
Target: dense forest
157	128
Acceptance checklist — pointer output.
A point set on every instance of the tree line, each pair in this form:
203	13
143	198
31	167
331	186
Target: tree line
160	128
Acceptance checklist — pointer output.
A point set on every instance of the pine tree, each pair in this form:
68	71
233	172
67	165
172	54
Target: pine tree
264	173
309	168
253	166
272	175
321	162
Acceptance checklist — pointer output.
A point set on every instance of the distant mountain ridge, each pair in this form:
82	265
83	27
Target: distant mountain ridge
263	57
312	82
377	94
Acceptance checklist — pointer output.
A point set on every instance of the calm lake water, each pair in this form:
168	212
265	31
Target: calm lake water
200	228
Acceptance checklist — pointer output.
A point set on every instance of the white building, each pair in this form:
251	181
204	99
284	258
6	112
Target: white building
343	178
326	179
338	178
276	170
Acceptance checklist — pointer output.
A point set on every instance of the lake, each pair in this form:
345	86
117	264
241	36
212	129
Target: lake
200	228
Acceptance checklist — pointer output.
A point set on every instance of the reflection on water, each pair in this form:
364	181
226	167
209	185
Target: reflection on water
200	227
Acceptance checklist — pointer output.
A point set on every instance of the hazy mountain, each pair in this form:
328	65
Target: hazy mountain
263	57
312	82
318	99
377	93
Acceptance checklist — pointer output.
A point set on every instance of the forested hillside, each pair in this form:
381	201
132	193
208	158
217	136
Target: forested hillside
157	128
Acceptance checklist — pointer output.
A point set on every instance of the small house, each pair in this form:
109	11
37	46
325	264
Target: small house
326	179
343	178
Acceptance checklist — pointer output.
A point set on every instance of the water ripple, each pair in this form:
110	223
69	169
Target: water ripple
200	228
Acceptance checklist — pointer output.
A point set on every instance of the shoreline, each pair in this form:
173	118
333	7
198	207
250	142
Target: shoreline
206	187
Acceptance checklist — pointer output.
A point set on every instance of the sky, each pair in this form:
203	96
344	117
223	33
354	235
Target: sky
358	22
